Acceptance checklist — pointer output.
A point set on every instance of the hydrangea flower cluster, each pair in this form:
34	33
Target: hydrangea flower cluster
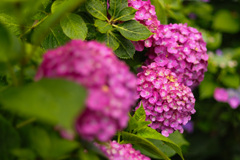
146	15
231	96
111	86
182	50
116	151
168	104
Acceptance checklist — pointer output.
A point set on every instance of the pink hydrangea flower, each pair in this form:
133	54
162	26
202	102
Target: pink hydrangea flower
116	151
221	94
111	86
168	103
182	50
146	15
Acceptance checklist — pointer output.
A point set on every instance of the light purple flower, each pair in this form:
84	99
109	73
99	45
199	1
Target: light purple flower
221	95
111	86
185	46
234	102
116	151
168	103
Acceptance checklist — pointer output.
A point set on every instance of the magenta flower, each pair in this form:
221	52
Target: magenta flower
221	95
146	15
110	85
116	151
168	103
182	50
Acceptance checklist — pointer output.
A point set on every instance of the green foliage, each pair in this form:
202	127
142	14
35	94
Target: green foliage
46	100
10	138
74	27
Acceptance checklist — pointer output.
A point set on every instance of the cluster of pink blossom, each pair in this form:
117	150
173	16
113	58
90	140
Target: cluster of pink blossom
146	15
168	104
116	151
111	86
182	50
231	96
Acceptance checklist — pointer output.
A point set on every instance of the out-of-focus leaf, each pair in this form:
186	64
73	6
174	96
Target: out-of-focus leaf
10	22
207	86
9	139
53	101
43	29
225	22
160	10
231	81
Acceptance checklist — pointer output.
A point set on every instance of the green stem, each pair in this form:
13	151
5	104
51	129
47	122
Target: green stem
24	123
34	26
119	135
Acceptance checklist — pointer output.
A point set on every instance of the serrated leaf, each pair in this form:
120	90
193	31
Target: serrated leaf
140	114
74	26
153	134
133	30
109	40
144	143
55	38
9	139
126	49
97	8
47	99
116	6
102	26
126	14
160	10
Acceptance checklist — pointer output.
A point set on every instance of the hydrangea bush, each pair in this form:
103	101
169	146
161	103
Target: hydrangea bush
110	79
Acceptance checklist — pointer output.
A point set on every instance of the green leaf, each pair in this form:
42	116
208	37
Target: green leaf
10	46
225	22
55	38
109	40
153	134
102	26
10	22
9	139
140	114
207	86
126	49
54	101
133	30
160	10
22	153
178	138
144	143
42	30
74	26
116	6
56	5
126	14
97	8
230	80
40	141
